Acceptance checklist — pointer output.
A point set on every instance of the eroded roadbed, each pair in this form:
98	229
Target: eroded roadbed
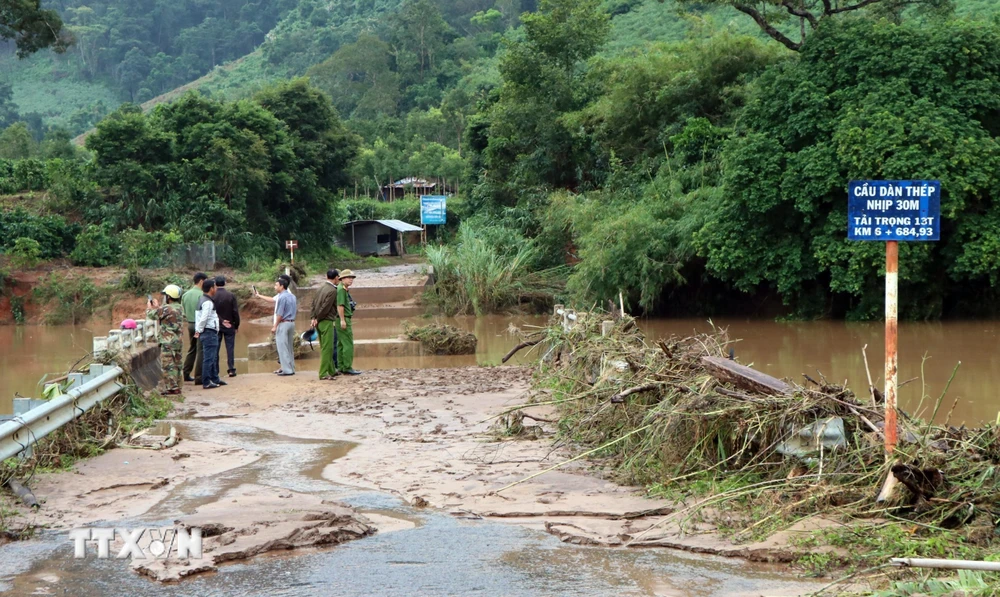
335	452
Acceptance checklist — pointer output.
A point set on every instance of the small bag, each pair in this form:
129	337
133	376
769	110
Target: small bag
310	336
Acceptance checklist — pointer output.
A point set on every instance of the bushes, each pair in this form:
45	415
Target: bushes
53	234
407	210
143	249
75	298
95	247
25	254
22	175
477	275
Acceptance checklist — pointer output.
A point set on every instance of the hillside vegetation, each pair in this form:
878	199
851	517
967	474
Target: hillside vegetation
675	152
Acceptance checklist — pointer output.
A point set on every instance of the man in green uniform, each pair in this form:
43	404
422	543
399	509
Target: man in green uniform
169	317
324	314
193	359
345	309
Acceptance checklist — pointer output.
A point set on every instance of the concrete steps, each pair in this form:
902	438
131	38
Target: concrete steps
381	297
384	347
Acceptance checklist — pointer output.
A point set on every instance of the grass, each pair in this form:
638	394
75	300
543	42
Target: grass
75	298
47	84
659	417
966	584
476	276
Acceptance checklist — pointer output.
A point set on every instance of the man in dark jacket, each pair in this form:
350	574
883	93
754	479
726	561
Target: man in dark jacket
228	311
324	314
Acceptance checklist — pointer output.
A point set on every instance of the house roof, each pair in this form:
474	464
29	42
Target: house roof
413	181
397	225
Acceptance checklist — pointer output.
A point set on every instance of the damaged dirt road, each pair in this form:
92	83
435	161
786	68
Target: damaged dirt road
272	465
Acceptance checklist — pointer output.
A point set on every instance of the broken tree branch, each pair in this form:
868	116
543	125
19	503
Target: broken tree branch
800	12
768	28
620	396
514	350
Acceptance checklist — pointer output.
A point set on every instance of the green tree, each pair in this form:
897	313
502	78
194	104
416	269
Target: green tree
303	199
8	109
418	35
360	79
16	142
788	21
529	144
864	101
31	27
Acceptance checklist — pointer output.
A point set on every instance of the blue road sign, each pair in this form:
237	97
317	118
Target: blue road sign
432	209
902	210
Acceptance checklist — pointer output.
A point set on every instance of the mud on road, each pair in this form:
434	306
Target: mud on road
427	436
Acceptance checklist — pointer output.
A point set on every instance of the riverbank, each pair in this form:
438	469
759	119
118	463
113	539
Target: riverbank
427	436
430	436
56	293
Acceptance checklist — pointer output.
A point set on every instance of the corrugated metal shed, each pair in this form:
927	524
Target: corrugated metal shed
377	237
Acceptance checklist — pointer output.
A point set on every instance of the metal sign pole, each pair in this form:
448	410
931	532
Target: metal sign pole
891	211
891	341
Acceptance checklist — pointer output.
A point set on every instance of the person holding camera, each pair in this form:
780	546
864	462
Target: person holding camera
169	316
345	335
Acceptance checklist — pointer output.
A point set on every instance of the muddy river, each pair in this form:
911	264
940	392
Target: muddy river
777	348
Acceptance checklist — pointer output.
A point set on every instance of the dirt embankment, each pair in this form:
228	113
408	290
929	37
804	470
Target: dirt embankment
28	297
20	300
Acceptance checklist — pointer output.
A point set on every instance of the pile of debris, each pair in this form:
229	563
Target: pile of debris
684	410
441	338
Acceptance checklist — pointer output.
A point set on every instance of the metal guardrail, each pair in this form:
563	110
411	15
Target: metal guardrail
18	434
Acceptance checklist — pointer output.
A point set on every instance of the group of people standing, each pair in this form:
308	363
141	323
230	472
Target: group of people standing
212	315
332	310
213	319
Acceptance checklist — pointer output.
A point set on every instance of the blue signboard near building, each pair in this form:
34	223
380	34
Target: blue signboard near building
432	209
901	210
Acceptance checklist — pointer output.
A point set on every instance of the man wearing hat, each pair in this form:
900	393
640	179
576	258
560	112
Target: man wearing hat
324	315
168	335
345	335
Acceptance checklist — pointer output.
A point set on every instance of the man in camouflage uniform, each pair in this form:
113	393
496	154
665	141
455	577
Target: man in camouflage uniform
170	318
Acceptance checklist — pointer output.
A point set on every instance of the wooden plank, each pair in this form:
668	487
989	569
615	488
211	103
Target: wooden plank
744	377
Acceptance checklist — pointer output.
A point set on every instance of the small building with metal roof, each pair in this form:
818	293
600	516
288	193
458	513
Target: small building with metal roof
377	237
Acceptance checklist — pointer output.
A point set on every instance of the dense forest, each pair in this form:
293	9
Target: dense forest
692	155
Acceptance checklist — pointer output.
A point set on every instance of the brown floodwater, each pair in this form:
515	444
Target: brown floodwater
783	349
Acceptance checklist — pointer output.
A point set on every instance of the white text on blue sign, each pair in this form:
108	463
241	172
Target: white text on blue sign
900	210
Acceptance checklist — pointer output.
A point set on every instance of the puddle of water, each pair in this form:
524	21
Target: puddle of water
286	462
443	556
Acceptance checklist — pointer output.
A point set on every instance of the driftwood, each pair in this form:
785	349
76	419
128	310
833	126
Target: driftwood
744	377
23	493
620	396
514	350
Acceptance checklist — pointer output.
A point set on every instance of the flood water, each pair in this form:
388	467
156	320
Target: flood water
778	348
437	555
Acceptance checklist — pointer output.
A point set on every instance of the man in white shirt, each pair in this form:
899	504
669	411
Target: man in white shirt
206	328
